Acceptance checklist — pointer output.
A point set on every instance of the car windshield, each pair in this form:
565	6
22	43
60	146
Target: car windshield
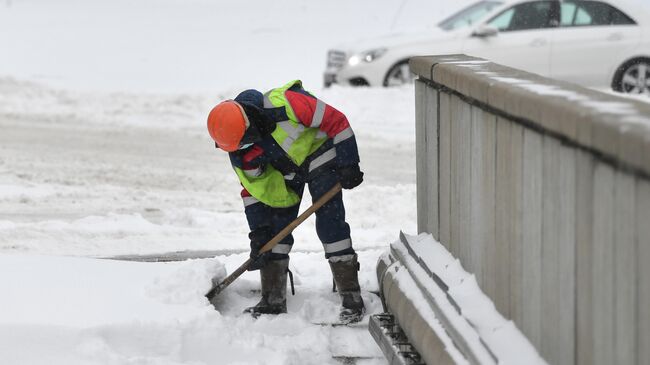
468	15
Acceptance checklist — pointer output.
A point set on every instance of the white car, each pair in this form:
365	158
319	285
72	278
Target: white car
594	43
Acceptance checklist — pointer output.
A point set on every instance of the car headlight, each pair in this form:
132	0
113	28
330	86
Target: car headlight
354	60
367	56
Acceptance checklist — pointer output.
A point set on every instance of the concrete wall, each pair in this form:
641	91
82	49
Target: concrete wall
542	189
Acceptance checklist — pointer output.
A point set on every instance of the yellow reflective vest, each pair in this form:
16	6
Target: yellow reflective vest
296	139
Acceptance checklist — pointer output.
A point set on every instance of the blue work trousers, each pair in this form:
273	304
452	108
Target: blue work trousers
332	230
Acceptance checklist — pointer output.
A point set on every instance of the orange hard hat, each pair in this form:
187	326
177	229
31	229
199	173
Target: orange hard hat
227	123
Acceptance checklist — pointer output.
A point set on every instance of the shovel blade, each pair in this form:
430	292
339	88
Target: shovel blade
216	289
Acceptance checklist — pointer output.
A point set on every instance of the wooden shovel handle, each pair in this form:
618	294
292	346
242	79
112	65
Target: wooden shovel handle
275	240
301	218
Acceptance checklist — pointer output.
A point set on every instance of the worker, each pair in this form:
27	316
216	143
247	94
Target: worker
278	142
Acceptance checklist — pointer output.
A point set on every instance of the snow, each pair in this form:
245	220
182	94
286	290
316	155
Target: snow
68	310
629	109
155	186
86	293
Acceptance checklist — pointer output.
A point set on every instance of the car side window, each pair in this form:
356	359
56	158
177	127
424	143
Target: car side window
591	13
531	15
620	18
502	21
567	13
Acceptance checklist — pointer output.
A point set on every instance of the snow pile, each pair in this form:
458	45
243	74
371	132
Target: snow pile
77	292
86	311
69	310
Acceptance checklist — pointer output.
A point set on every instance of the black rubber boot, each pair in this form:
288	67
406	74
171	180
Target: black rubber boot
345	271
274	289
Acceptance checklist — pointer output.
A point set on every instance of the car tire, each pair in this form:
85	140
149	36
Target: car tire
399	74
633	77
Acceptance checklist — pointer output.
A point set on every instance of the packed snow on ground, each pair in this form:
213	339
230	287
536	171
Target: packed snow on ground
104	153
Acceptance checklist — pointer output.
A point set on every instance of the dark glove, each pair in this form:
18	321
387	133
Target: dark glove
350	176
259	237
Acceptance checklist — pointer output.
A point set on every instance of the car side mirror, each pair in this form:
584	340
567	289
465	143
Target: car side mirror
484	31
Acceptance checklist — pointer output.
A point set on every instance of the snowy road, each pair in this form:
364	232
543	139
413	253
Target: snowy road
91	181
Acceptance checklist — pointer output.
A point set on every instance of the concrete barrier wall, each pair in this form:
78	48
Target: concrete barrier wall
541	188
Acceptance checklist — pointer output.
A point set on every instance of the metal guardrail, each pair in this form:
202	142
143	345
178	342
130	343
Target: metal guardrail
393	342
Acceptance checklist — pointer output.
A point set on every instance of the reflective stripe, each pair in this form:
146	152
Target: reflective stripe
337	246
253	172
343	135
318	114
281	248
249	200
342	258
290	176
322	159
293	132
296	139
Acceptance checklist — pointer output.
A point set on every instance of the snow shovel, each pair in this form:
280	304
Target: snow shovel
274	241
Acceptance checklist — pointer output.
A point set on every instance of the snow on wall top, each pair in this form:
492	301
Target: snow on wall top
615	127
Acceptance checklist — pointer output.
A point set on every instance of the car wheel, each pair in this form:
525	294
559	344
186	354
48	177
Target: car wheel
633	77
399	74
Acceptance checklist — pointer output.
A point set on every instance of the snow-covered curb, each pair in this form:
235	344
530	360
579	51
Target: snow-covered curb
450	301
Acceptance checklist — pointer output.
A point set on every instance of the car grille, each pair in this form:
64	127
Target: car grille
336	59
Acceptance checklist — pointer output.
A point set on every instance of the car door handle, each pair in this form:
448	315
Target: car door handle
539	42
615	37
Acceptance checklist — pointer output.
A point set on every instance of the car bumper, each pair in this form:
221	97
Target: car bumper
352	77
339	71
329	79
